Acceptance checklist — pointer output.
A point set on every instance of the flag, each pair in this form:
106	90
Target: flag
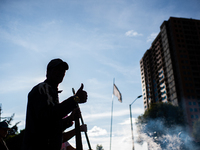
117	93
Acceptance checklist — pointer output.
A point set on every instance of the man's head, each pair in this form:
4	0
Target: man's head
3	129
56	70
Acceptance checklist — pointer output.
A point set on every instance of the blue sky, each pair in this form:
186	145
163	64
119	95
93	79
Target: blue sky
100	40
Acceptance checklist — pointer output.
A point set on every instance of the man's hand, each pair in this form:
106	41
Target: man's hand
83	128
76	113
81	94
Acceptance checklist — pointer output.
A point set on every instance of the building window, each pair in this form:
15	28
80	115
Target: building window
161	77
191	110
163	92
190	103
160	72
161	83
194	103
156	99
195	110
192	116
162	87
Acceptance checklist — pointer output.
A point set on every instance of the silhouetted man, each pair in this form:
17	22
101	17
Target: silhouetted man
45	121
3	133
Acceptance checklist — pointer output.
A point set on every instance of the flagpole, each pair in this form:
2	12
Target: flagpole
111	115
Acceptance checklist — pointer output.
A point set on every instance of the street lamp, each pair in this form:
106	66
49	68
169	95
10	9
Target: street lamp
131	120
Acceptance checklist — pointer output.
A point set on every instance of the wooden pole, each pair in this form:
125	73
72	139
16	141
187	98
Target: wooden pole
79	145
87	139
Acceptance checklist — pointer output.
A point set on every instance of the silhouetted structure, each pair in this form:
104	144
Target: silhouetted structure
170	69
13	129
46	117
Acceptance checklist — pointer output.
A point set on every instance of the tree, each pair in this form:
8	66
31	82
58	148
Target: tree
13	139
14	128
168	113
99	147
160	123
196	130
14	142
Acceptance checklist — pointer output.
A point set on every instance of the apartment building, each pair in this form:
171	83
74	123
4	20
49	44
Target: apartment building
170	68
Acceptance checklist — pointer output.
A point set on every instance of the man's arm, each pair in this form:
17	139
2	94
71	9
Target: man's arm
44	110
67	122
68	135
70	104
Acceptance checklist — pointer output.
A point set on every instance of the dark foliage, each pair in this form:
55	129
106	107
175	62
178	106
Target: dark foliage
14	142
160	120
99	147
196	131
169	114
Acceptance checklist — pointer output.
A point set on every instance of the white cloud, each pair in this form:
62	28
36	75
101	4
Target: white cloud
136	111
106	114
132	33
151	37
19	39
127	121
97	131
126	70
18	83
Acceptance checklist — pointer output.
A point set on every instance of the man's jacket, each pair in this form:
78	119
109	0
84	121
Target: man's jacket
44	118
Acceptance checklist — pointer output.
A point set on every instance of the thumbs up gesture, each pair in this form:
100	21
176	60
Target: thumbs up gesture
81	94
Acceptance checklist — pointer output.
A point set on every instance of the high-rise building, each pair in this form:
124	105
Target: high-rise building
170	68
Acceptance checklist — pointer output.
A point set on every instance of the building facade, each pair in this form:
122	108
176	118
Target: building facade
170	68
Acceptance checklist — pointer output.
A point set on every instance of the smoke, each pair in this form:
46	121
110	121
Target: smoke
160	137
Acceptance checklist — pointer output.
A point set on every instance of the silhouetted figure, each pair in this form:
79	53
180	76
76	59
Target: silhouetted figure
3	133
45	120
68	135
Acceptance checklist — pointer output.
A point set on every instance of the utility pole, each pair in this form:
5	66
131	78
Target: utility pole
0	112
133	148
